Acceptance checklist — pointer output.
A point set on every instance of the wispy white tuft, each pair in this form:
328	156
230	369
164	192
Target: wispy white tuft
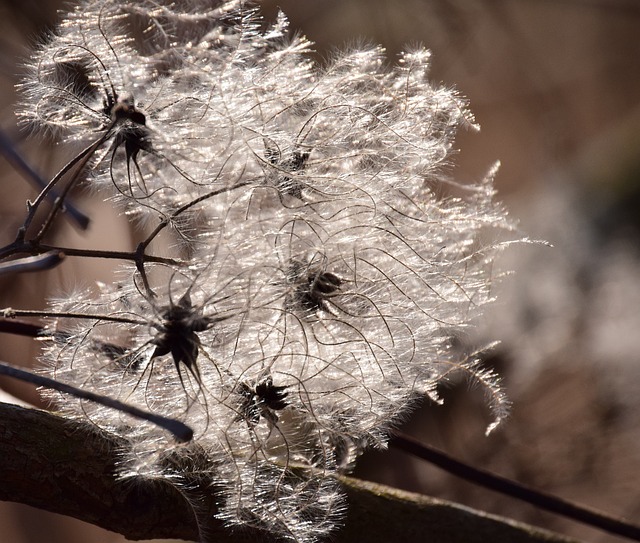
329	262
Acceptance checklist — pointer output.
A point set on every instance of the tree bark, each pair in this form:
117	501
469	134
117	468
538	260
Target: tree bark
69	468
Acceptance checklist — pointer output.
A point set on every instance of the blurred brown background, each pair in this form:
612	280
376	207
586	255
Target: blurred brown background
555	85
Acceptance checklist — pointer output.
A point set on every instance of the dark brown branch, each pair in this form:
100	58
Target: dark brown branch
68	468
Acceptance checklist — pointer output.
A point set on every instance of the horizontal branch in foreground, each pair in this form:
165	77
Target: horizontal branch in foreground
66	467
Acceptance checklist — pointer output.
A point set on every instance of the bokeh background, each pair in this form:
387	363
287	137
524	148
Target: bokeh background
555	86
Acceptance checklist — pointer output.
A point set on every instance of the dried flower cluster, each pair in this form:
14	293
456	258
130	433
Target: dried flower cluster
323	266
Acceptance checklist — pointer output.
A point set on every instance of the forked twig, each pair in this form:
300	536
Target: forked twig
8	149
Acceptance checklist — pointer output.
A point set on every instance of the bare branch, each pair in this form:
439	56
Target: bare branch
68	468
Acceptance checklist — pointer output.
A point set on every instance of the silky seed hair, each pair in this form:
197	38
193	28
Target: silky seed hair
326	261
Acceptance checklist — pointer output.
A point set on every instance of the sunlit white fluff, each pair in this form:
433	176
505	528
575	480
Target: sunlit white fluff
329	263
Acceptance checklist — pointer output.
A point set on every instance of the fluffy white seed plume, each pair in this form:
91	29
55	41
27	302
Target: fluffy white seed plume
331	263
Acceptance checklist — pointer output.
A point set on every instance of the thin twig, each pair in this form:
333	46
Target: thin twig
514	489
37	248
118	255
180	430
10	313
45	261
141	258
